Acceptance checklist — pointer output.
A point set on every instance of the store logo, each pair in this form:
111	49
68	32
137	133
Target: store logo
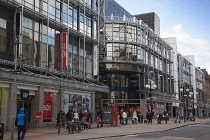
24	94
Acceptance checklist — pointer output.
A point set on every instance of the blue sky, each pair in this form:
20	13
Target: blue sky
188	20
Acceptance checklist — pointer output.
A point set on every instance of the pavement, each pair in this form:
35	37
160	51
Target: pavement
51	133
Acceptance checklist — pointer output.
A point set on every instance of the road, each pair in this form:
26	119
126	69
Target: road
191	132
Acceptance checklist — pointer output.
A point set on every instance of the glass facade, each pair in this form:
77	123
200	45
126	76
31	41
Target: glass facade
42	39
130	42
112	7
6	33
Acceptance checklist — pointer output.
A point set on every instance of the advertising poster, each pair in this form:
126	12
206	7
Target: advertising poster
87	103
47	108
66	103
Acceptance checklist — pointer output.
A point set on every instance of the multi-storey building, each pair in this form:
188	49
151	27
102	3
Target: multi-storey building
48	58
136	56
203	87
152	20
113	8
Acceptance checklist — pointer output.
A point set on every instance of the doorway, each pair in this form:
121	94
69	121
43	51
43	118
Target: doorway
26	104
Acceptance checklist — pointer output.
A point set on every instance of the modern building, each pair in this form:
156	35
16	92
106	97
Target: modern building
48	58
135	57
152	20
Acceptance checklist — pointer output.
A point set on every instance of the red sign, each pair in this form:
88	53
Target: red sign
38	116
47	108
64	50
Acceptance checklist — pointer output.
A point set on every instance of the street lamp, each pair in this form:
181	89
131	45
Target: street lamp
150	92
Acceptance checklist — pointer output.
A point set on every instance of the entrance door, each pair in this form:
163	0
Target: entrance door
26	104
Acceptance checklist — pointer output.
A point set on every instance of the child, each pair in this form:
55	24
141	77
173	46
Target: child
98	120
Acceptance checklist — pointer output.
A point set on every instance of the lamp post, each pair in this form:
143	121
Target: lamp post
150	92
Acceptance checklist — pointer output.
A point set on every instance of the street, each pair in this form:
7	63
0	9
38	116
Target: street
191	132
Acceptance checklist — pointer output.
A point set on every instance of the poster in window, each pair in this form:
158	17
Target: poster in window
79	99
87	103
47	108
65	103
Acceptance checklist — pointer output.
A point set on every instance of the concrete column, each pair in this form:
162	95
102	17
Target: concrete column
12	106
37	103
143	110
93	104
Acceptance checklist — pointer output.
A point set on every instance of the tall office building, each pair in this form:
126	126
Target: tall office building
152	20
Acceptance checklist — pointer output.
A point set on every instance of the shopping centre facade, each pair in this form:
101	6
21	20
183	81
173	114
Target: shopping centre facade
48	58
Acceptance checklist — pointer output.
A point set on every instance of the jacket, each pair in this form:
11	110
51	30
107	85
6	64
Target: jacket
124	115
20	118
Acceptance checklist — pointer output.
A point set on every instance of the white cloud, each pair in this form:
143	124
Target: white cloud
188	45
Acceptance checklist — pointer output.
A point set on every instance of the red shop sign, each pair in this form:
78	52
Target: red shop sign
38	116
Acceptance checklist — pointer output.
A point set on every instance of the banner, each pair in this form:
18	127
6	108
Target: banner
95	60
47	108
64	50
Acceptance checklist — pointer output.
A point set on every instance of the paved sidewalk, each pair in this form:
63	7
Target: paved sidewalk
50	133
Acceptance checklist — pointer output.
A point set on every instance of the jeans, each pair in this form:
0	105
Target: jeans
124	120
21	128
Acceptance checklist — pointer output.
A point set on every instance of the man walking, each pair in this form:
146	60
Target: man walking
20	122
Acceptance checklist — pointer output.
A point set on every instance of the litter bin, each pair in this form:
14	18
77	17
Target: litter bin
1	131
140	118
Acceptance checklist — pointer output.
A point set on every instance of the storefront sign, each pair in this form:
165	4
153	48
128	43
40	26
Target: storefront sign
24	94
134	82
38	116
47	108
64	50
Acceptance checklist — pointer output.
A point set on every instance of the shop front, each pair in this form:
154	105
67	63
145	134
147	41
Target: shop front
4	95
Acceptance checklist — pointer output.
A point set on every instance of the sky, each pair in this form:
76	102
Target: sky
187	20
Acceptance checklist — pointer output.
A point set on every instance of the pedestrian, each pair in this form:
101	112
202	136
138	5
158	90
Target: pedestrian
135	117
84	122
120	113
69	116
99	121
20	122
76	116
149	117
124	117
63	118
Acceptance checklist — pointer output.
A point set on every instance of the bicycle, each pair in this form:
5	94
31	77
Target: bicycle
73	126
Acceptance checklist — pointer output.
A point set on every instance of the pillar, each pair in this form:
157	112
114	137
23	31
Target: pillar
37	103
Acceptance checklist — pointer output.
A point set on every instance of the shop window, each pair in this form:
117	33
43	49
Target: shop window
47	107
4	95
